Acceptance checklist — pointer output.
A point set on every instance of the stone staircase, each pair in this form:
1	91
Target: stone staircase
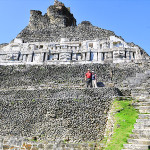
140	139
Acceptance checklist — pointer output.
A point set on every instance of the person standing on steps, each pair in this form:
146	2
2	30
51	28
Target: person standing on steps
94	82
88	79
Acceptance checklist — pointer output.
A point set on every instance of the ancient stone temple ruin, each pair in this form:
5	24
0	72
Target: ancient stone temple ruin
54	38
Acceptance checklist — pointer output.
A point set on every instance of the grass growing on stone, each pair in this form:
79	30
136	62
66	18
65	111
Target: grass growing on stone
125	117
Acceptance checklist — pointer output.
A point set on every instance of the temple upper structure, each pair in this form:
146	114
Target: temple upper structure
54	38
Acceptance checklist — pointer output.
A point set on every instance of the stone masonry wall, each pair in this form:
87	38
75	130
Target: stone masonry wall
64	75
55	33
56	114
59	22
51	104
54	17
21	143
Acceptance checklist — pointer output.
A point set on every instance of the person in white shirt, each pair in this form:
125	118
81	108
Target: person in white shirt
94	82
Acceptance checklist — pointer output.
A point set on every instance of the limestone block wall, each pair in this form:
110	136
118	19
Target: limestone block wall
37	20
59	112
64	75
56	15
56	114
55	33
18	142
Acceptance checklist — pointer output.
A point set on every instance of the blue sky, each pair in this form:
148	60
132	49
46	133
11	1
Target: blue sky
127	18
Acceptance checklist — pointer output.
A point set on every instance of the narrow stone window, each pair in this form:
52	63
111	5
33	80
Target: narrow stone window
103	56
32	57
44	57
19	54
125	54
133	55
41	46
71	56
58	56
100	46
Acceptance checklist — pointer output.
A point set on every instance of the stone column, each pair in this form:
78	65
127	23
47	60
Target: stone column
83	56
88	56
41	57
94	56
37	57
127	55
100	55
55	56
21	57
110	55
105	56
131	55
24	58
111	45
74	56
79	57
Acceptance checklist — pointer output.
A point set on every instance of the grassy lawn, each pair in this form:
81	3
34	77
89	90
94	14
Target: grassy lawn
125	117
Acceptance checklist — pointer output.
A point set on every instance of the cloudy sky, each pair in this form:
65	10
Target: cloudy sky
127	18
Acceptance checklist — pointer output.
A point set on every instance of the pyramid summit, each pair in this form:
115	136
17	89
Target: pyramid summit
56	38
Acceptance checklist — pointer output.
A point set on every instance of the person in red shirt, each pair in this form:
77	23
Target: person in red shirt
88	78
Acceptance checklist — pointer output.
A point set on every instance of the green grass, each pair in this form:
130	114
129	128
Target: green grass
125	118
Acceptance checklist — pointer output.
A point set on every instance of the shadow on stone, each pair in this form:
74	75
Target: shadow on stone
100	84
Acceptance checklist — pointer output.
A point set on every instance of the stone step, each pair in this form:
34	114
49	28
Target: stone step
139	94
144	100
144	109
141	88
144	97
141	104
145	92
142	132
144	116
136	146
139	141
141	126
128	149
143	121
139	136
